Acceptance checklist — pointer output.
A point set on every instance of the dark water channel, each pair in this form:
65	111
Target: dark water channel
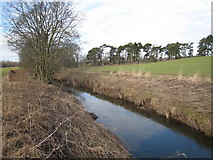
144	134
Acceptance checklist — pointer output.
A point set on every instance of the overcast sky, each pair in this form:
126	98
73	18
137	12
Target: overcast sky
117	22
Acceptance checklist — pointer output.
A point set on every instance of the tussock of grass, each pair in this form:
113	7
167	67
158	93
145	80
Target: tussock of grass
195	78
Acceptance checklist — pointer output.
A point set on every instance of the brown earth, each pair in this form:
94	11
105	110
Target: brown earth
181	99
39	121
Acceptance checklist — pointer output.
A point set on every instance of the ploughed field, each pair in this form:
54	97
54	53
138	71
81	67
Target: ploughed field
200	66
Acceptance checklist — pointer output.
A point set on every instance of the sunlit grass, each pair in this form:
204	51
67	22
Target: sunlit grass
5	71
186	67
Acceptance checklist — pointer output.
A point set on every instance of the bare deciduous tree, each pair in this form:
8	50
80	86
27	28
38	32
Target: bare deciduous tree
41	32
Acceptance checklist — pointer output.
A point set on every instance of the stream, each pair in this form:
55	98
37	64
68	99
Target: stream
145	135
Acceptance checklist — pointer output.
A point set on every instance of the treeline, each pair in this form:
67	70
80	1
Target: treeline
136	52
9	64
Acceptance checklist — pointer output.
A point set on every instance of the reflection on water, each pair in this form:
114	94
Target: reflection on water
144	135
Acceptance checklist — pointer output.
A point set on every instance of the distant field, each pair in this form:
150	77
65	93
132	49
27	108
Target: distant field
186	66
5	71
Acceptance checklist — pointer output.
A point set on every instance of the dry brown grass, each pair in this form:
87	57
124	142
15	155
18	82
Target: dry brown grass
195	78
18	76
39	121
147	75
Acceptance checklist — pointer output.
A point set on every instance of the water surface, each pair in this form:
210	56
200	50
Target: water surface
145	135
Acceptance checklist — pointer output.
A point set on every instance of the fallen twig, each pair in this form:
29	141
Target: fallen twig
68	118
59	146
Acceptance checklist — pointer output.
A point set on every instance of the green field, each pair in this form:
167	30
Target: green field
5	71
186	66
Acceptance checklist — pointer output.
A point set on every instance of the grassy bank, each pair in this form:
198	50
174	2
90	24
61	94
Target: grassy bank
183	100
5	71
186	67
40	121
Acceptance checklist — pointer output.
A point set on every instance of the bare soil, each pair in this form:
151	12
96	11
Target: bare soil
187	101
39	121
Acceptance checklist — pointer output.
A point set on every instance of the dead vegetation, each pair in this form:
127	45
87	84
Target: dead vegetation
39	121
18	76
187	100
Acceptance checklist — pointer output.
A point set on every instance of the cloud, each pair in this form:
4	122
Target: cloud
7	54
117	22
5	51
155	21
